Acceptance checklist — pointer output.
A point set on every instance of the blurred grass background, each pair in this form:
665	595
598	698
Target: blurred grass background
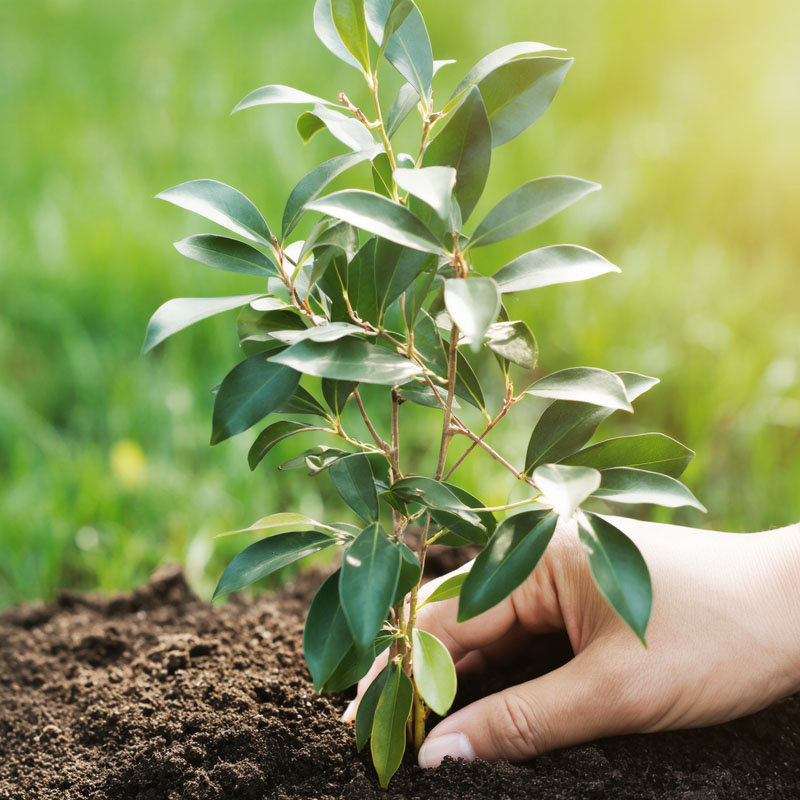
688	113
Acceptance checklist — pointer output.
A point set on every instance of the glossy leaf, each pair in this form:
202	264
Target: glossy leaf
565	488
618	570
395	268
410	572
303	402
350	24
529	206
514	342
283	519
331	332
254	328
271	554
356	664
459	531
630	485
434	672
389	726
560	263
336	394
650	451
326	637
365	716
585	385
432	185
446	590
518	92
353	479
384	18
379	215
316	459
221	204
230	255
423	395
181	312
276	95
272	435
465	144
433	494
405	102
408	48
509	558
368	582
312	184
327	33
492	61
348	130
473	304
348	359
636	384
249	392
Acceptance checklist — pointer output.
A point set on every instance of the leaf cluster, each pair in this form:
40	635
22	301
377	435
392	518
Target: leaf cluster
382	290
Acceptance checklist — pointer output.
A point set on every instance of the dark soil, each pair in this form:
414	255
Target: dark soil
157	695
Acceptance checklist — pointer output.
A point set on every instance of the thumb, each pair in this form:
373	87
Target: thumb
563	707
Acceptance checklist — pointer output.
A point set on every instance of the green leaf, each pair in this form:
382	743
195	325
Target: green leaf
389	726
529	206
405	102
509	558
585	385
566	426
273	434
618	570
518	92
434	671
513	341
337	393
181	312
435	495
465	143
650	451
565	488
473	304
327	33
423	395
446	590
230	255
278	94
221	204
491	62
395	268
408	48
249	392
459	531
355	665
352	477
312	184
365	716
385	17
303	402
382	174
432	185
410	572
348	359
328	332
368	582
270	554
326	637
630	485
254	328
348	19
559	263
348	130
362	292
379	215
316	459
283	519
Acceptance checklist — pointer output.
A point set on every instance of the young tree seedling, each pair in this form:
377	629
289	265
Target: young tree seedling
383	291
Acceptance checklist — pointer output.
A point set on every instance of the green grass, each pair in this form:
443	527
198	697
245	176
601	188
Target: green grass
686	112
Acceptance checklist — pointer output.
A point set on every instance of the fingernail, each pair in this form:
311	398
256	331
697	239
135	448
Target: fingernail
455	745
350	712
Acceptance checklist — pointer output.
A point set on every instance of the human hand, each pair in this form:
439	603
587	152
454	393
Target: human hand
723	641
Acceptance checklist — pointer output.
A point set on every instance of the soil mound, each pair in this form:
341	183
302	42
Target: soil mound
157	695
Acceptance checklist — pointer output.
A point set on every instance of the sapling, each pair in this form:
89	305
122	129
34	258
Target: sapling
382	290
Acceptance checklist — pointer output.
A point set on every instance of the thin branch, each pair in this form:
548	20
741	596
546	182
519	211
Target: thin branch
447	434
384	446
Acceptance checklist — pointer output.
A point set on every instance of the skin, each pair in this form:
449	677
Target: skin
723	641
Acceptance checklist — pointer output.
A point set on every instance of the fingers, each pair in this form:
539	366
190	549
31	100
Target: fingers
564	707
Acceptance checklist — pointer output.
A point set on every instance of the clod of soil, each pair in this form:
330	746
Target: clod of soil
159	696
